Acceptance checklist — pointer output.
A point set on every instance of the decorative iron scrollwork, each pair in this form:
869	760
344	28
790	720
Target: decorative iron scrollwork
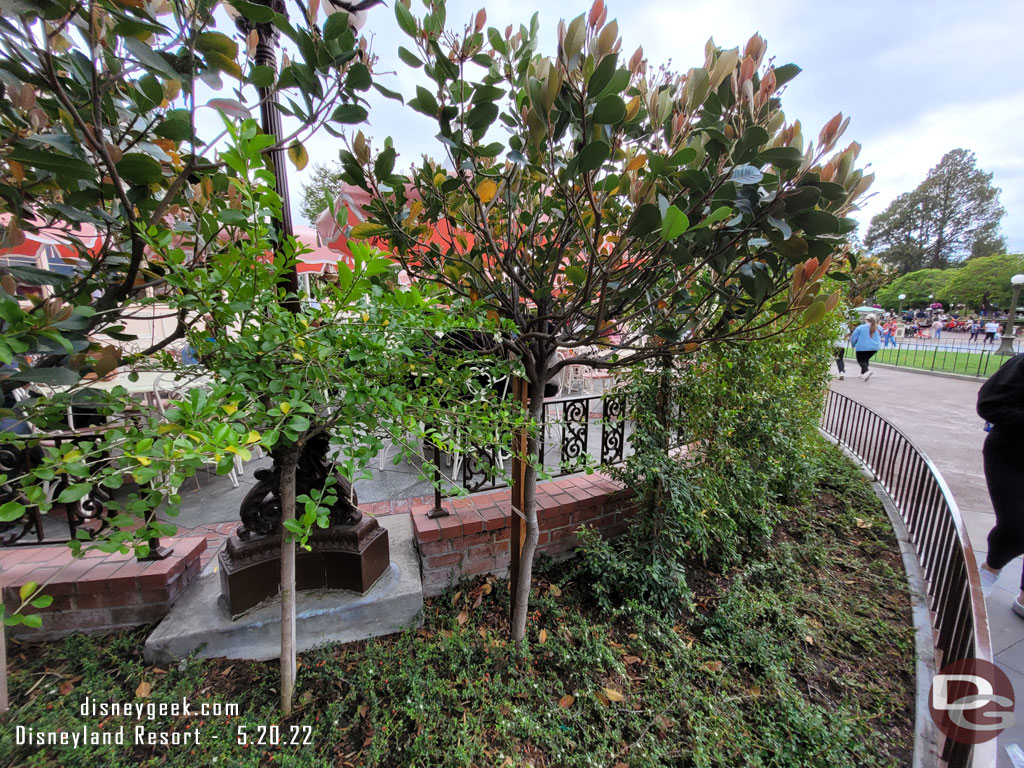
574	432
613	429
261	508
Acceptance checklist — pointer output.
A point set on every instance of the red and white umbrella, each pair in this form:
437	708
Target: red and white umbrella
57	242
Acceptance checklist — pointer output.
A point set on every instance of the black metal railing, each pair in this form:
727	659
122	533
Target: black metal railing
977	359
577	431
939	537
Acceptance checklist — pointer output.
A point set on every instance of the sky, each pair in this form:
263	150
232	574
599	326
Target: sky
916	78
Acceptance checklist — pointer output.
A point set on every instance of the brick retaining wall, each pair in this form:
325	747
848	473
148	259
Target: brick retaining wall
98	591
474	538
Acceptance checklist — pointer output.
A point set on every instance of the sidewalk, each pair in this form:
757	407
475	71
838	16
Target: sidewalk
937	414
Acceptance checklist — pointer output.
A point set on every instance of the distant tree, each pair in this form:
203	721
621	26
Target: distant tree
321	189
917	286
953	215
866	278
985	282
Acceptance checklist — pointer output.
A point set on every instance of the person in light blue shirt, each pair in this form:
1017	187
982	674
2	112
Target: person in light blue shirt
866	340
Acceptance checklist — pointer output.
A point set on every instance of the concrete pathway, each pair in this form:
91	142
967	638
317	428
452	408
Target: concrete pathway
937	414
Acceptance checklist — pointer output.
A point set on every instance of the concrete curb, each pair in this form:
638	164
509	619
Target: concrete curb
941	374
927	749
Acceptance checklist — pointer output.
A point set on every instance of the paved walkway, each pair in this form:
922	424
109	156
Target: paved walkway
937	414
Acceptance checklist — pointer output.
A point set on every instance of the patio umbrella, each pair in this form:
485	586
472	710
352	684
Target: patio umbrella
55	241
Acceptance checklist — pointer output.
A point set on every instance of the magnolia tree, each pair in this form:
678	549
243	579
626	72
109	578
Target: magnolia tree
584	194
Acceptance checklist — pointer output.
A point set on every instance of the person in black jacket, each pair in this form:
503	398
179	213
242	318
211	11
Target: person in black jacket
1001	403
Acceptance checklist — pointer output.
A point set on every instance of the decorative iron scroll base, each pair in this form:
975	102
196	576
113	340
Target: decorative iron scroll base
261	508
351	557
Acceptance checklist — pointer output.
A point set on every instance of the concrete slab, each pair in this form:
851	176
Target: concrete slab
199	624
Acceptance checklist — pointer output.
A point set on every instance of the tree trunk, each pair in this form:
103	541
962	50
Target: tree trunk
522	593
289	460
4	703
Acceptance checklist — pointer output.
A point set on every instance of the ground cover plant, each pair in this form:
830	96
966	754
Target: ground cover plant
801	657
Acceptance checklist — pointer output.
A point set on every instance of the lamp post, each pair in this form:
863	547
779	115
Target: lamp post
1006	343
902	297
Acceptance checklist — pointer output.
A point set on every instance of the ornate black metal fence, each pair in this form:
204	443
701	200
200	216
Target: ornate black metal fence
576	431
937	531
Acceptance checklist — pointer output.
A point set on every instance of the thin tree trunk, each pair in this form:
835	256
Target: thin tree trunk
4	702
522	602
289	461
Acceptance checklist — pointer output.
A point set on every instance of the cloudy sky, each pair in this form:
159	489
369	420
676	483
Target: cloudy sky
917	78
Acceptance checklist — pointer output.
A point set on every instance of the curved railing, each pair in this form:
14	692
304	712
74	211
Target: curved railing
937	532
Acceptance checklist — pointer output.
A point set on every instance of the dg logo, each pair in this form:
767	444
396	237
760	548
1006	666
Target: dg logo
971	701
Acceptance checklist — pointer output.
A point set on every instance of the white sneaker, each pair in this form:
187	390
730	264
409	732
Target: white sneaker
988	580
842	376
868	375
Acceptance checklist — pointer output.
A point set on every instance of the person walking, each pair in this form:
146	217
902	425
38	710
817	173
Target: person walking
866	340
1001	404
991	329
839	347
889	333
975	328
937	327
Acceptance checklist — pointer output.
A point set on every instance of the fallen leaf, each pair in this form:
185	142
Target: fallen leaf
754	690
612	694
479	599
543	636
566	701
603	699
482	632
144	689
456	596
364	711
713	666
66	687
554	590
808	639
462	618
621	765
863	523
158	671
630	659
486	588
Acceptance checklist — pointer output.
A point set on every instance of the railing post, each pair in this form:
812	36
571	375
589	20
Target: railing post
438	510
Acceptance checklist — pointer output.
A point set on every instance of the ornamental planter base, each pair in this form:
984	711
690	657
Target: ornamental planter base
347	557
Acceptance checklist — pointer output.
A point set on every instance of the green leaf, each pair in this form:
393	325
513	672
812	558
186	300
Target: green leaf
359	77
719	214
425	101
781	157
575	274
231	217
59	377
61	165
336	25
27	589
350	114
231	107
592	156
74	493
216	42
367	229
602	75
257	12
814	313
11	511
263	76
682	157
139	168
150	58
745	174
298	155
816	223
33	620
409	57
384	164
405	19
785	73
673	223
646	219
481	116
43	601
610	110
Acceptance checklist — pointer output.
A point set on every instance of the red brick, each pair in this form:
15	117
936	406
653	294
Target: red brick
422	509
486	537
478	566
434	547
494	549
443	561
471	521
451	526
426	529
11	556
105	600
494	518
107	576
160	572
137	614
